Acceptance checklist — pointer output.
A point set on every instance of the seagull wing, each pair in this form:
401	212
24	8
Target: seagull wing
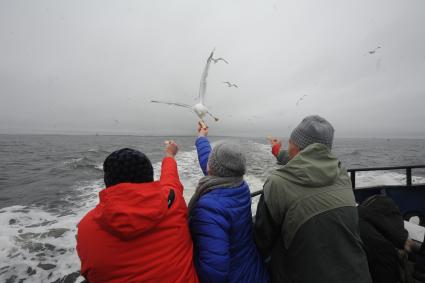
203	84
221	59
172	103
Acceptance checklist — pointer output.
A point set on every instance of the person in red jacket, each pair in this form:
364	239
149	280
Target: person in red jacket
139	231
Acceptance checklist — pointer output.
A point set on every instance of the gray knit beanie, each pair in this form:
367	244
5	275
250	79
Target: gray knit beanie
313	129
227	160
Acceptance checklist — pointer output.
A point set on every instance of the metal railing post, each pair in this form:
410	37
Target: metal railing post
353	179
409	176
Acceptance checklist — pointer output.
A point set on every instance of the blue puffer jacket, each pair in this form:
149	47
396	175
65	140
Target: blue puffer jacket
221	227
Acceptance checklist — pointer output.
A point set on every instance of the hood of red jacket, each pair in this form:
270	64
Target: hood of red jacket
128	210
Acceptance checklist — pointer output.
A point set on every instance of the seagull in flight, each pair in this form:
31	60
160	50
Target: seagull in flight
301	99
199	108
371	52
229	84
219	59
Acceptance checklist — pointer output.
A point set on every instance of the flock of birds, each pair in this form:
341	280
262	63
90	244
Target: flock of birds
200	109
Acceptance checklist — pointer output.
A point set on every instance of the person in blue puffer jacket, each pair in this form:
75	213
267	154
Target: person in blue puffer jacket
220	217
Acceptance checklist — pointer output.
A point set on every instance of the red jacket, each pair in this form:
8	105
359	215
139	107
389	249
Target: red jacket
134	235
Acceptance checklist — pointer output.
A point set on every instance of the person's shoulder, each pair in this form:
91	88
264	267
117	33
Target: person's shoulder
86	223
218	201
274	180
274	187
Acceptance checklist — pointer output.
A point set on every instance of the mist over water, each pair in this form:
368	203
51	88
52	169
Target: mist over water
48	183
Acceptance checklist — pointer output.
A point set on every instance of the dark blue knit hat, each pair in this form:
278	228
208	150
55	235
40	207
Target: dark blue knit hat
127	166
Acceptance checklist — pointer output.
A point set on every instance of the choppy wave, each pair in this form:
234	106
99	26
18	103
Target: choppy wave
39	246
83	163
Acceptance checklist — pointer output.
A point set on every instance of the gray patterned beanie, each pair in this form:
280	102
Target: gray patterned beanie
227	160
313	129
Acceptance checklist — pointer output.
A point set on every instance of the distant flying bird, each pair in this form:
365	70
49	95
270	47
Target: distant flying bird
200	109
371	52
219	59
116	121
301	99
229	84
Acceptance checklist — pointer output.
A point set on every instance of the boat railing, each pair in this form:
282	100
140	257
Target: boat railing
408	171
353	171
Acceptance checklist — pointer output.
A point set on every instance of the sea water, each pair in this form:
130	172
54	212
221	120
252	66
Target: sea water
48	183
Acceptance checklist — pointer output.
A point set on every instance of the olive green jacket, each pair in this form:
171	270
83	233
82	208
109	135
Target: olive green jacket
307	220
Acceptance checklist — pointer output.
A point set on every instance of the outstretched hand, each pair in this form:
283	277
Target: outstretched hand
274	141
171	148
202	129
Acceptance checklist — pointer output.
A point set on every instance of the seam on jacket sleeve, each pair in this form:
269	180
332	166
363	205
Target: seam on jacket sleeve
170	176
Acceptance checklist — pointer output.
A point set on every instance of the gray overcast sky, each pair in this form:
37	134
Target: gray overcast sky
87	66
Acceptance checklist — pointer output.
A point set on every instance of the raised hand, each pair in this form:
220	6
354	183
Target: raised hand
171	148
274	141
202	129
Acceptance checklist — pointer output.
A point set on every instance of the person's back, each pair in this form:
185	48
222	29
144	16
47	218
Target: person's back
307	219
138	232
221	220
382	231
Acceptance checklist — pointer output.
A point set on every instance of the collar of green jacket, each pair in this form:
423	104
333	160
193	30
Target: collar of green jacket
314	166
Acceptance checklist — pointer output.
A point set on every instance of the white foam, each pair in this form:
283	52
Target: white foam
380	178
99	166
263	147
255	184
31	236
73	160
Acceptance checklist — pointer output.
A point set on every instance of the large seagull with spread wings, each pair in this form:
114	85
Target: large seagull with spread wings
200	109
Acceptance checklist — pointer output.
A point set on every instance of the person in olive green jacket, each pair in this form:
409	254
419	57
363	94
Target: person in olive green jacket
307	222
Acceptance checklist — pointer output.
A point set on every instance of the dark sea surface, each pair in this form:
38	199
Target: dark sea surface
48	183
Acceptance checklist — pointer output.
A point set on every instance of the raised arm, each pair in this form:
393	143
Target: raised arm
203	147
169	173
282	156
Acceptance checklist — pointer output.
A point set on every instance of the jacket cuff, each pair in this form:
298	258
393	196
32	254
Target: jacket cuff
276	149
